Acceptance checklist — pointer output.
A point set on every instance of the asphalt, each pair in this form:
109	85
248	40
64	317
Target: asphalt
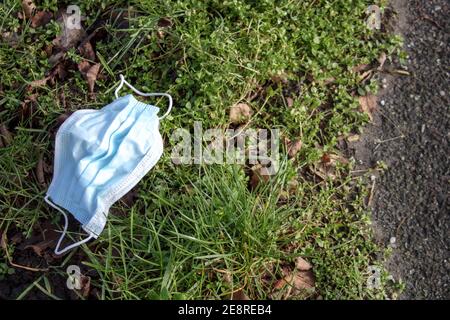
411	134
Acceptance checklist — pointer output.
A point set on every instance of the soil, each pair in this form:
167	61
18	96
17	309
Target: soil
410	133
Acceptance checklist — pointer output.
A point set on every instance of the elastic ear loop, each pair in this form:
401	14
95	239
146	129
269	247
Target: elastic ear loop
123	81
66	224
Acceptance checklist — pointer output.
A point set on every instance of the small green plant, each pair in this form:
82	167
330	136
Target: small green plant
5	270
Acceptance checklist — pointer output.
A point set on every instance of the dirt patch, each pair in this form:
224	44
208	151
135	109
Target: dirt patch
410	133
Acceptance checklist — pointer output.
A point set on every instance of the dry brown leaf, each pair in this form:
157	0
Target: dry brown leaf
353	138
257	177
5	135
294	147
368	104
325	158
39	83
87	51
289	102
92	76
40	247
41	18
361	67
365	75
83	67
381	60
60	71
239	295
3	240
327	166
293	284
240	113
85	282
302	265
90	73
40	171
28	7
304	280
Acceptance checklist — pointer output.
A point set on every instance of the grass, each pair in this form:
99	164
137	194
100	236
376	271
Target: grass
199	231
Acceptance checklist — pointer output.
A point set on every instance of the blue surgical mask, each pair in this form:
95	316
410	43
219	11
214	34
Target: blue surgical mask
100	155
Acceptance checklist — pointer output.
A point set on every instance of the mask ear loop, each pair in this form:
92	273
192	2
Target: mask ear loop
156	94
66	224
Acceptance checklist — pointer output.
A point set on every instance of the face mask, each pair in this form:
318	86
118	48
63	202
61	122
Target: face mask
100	155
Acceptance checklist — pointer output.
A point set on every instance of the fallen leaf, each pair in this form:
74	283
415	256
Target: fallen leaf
41	18
327	166
28	7
294	147
368	105
39	83
41	241
361	67
325	158
40	247
27	106
40	171
87	51
58	70
353	138
293	284
289	102
239	295
89	72
240	113
365	75
258	177
5	135
302	265
85	283
381	60
304	280
3	240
